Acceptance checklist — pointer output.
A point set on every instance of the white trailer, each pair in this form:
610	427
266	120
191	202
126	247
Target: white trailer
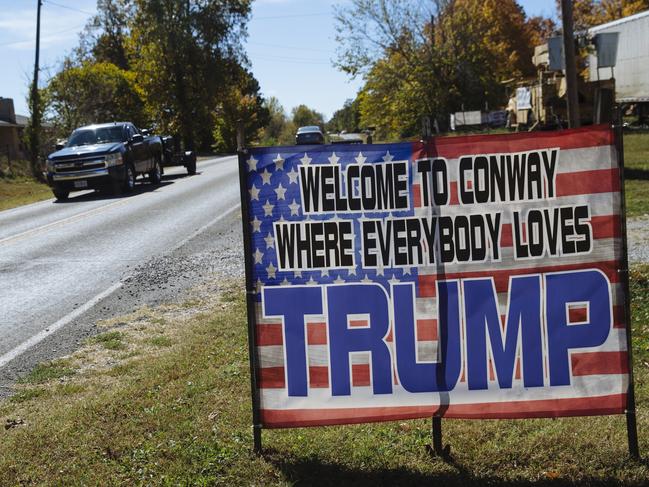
631	70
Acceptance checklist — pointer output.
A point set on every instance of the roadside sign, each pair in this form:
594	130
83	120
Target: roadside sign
465	277
523	98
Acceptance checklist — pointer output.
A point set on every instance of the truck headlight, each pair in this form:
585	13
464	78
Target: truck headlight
50	165
114	159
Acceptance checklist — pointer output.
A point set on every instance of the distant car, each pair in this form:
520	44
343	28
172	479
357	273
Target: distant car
344	138
309	135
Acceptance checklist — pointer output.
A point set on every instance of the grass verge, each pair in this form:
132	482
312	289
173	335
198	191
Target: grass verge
21	191
636	160
637	197
172	406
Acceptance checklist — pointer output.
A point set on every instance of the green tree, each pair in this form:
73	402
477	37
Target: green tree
184	54
105	37
347	118
428	59
302	115
277	121
92	93
184	63
589	13
242	103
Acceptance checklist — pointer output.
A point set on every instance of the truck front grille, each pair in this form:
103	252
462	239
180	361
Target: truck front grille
79	165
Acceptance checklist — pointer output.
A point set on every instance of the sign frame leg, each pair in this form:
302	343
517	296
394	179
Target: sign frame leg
251	294
436	446
630	412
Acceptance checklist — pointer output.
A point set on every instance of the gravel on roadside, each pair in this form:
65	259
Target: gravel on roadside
638	239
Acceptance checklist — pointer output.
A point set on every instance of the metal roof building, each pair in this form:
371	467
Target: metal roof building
631	71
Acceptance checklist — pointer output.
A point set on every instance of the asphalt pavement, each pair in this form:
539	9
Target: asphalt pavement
65	265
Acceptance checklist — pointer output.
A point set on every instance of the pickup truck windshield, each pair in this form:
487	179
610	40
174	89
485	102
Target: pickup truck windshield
96	136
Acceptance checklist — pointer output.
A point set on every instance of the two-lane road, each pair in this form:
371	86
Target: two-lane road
57	260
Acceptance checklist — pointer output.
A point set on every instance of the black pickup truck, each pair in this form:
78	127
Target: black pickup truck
106	156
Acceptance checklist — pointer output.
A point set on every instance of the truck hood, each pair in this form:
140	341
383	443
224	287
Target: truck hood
85	150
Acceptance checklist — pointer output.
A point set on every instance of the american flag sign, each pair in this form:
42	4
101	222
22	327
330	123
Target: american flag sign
465	277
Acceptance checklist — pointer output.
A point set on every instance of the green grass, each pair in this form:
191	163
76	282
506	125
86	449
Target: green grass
112	340
639	279
28	394
21	191
636	160
180	415
160	341
636	150
637	197
48	371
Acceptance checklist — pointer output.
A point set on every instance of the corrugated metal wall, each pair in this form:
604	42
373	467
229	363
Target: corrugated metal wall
632	70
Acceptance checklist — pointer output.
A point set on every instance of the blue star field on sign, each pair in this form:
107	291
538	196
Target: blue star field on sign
275	196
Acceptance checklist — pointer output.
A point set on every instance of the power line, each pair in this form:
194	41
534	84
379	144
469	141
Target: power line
289	61
69	8
271	17
46	35
290	58
289	47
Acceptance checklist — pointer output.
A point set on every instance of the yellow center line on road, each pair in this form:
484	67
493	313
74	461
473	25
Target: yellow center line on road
70	219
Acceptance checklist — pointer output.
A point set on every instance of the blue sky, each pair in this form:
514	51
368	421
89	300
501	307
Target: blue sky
290	45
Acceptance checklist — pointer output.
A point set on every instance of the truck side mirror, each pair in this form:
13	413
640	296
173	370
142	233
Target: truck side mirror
137	138
59	146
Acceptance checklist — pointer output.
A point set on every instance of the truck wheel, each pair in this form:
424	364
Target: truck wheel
129	180
191	167
155	176
60	194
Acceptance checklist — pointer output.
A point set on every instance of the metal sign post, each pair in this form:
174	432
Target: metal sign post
631	426
251	292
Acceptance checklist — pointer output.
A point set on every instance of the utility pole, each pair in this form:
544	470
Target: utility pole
571	63
34	136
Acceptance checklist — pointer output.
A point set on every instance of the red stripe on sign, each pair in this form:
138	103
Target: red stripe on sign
358	323
618	316
360	375
455	198
272	334
501	278
269	334
606	226
577	314
426	330
316	333
454	147
319	377
587	406
588	182
416	196
271	378
599	363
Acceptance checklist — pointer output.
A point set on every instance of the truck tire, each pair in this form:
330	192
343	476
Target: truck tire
129	180
61	194
155	175
191	167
